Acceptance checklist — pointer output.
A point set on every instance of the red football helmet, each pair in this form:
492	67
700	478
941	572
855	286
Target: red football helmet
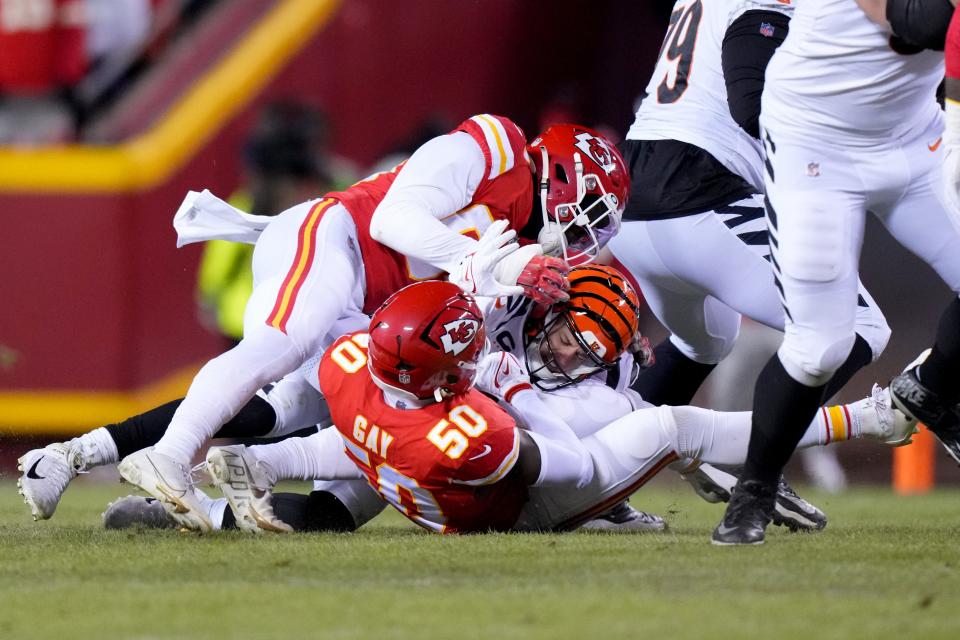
425	340
589	332
584	183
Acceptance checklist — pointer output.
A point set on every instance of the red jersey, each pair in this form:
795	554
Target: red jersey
505	192
42	45
952	49
444	466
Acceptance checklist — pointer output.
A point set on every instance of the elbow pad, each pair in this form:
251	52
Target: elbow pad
921	23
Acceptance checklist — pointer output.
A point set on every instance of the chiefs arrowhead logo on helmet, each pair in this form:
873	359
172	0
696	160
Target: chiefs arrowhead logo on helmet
597	150
458	335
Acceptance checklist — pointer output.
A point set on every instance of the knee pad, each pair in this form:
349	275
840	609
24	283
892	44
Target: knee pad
296	403
811	358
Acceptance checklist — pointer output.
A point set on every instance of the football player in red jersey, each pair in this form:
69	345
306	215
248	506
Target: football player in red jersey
321	266
451	460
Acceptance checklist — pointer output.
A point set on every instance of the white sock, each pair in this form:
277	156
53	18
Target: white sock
319	456
213	507
96	448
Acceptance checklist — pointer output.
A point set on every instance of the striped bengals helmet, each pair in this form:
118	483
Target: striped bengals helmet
602	317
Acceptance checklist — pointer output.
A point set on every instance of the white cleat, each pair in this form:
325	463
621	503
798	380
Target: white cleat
881	421
247	484
45	475
169	482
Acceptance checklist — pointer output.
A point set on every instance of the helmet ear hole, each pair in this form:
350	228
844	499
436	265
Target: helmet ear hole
561	173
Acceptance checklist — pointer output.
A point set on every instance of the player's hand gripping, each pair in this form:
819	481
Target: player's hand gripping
642	351
501	375
544	279
477	272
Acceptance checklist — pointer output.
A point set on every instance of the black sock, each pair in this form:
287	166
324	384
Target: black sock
256	418
940	372
319	511
673	379
142	431
782	411
860	356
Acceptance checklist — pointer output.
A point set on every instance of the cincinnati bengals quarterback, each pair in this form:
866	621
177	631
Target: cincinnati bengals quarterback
407	415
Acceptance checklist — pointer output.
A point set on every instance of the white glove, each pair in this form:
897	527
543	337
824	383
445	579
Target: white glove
501	375
476	272
951	160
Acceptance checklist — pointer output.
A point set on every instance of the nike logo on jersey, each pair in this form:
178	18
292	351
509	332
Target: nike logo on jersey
502	373
936	144
486	449
32	472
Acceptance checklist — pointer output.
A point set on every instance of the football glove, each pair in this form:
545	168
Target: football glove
544	279
476	272
501	375
642	351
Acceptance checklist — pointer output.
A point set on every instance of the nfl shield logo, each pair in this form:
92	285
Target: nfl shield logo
813	169
766	29
404	377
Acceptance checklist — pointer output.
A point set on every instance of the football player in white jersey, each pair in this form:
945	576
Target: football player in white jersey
850	124
336	258
567	345
694	235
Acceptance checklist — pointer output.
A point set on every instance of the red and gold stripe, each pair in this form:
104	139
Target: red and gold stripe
300	269
618	497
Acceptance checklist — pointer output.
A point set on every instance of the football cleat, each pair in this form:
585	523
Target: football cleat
45	475
623	517
137	511
747	516
920	403
881	421
247	484
795	513
169	482
710	483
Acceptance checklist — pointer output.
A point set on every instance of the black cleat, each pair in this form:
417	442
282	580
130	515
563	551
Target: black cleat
917	401
795	513
748	514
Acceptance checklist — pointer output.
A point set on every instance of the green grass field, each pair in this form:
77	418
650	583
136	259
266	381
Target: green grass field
885	567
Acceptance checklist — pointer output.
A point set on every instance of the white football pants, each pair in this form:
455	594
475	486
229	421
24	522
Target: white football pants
700	273
820	192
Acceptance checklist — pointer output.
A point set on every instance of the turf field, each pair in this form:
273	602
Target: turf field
886	567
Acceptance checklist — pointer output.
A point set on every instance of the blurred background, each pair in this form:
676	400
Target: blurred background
111	110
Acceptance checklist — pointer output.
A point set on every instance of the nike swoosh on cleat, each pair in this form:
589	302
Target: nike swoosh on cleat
486	449
723	529
32	472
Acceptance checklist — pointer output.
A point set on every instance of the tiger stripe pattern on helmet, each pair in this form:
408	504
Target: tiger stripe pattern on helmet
603	305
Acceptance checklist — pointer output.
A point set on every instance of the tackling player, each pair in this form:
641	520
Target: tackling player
324	264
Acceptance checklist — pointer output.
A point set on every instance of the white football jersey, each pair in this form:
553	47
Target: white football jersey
836	75
687	95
